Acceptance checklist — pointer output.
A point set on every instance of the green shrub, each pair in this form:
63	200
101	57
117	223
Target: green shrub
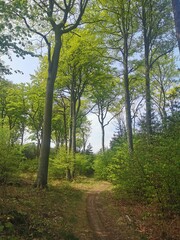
152	173
84	164
29	151
101	165
60	163
10	157
80	164
28	165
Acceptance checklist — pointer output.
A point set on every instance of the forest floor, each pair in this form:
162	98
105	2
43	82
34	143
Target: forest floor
82	210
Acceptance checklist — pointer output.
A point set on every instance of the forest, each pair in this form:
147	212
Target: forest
104	58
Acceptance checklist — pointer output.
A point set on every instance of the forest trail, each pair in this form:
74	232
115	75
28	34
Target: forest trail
99	217
101	220
85	209
95	215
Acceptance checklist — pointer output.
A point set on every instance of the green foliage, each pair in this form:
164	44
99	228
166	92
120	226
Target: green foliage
29	150
63	160
152	173
28	165
60	163
101	164
9	157
84	164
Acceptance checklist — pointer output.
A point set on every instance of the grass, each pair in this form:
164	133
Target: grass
28	213
140	221
59	212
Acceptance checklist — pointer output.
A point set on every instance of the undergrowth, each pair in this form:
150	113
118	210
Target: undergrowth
27	213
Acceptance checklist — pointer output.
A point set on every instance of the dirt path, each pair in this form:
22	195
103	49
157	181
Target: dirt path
96	217
100	217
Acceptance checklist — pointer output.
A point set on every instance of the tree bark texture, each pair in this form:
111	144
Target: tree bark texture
103	137
147	39
176	10
42	175
127	97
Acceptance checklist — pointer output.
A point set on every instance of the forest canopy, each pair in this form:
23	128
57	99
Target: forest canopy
96	57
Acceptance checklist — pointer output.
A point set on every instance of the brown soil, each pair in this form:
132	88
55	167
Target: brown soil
103	224
108	218
82	210
95	217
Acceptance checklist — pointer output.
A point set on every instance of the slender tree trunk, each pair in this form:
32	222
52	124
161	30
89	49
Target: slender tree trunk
65	129
73	145
74	135
176	10
127	97
45	148
103	137
42	175
22	134
72	130
38	144
164	113
146	35
148	99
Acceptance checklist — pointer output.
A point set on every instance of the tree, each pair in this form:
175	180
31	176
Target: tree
164	79
60	118
119	25
4	86
104	95
83	134
13	110
49	20
158	39
13	38
176	10
76	75
122	30
35	92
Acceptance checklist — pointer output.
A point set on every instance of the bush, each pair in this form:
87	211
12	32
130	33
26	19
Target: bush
10	157
84	164
153	173
29	150
101	165
60	163
80	164
28	165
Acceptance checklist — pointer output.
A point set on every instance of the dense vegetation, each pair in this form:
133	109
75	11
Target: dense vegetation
122	60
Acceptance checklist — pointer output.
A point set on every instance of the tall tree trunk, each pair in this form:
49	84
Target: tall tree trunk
73	145
146	36
72	130
42	175
127	97
22	133
164	113
65	129
148	99
103	137
176	10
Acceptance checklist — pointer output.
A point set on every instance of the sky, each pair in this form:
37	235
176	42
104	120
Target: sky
28	67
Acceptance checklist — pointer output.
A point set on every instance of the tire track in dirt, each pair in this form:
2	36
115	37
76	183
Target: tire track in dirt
95	215
95	219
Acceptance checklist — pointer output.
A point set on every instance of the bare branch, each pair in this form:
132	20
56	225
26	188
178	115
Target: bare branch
57	4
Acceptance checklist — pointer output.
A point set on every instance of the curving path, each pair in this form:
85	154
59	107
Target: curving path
96	217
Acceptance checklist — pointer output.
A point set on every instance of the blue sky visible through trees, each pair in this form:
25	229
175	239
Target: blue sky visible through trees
28	66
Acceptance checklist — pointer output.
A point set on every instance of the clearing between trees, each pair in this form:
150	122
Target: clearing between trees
85	209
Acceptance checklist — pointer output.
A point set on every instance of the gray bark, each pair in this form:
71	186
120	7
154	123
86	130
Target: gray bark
42	176
127	96
176	10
